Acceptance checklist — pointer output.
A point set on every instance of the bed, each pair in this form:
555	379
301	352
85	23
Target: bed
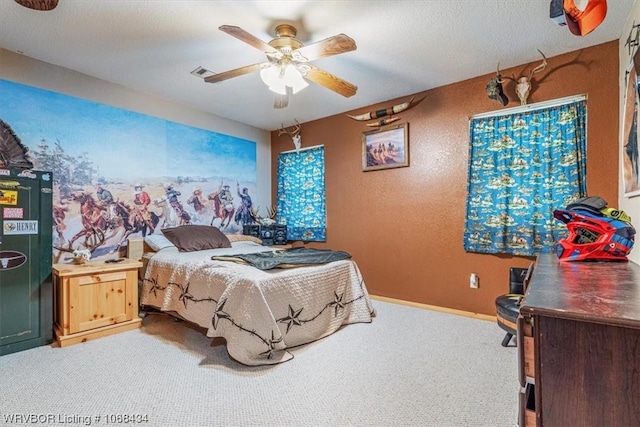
260	313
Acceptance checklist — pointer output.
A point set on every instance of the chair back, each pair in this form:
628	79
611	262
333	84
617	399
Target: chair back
516	280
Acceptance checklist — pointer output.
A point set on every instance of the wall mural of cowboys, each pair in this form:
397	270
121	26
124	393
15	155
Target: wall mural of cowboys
118	173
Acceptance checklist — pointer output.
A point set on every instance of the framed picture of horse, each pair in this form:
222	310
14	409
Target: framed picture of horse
630	171
385	148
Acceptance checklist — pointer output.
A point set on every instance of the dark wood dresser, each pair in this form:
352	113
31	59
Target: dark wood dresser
579	344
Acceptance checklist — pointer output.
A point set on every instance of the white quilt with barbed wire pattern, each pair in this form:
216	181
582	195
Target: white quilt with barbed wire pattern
260	313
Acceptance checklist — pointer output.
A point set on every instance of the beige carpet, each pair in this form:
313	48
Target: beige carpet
410	367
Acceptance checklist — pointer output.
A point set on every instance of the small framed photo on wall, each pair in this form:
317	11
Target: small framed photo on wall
385	148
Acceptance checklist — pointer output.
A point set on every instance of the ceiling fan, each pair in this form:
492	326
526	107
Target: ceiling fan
287	64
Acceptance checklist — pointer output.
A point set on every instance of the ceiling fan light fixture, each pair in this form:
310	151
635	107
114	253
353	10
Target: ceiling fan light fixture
278	77
293	78
279	88
270	75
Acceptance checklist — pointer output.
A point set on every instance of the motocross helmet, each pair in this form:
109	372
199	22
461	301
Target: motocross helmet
593	237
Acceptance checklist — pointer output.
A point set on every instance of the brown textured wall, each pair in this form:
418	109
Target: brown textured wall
404	226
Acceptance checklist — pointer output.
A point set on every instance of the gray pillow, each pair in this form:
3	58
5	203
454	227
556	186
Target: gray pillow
158	241
189	238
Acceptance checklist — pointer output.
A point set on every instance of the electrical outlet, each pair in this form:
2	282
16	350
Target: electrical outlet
473	281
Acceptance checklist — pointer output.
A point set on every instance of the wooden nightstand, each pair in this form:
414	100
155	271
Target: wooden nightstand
94	300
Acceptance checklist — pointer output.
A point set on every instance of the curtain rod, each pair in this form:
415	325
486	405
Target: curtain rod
301	149
536	106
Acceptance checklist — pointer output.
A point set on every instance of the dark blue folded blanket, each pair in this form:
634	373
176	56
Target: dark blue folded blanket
294	257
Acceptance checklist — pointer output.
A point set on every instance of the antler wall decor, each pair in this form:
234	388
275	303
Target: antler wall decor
383	122
523	82
293	132
390	111
494	89
272	211
94	240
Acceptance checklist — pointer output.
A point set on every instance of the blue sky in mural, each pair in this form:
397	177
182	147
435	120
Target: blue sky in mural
223	153
123	143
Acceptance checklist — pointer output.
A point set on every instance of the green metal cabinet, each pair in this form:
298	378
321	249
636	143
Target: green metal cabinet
26	306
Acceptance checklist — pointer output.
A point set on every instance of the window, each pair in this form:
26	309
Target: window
301	194
523	166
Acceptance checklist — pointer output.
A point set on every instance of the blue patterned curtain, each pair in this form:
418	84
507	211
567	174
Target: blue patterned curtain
301	197
521	167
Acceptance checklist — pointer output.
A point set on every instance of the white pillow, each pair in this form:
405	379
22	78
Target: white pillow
158	241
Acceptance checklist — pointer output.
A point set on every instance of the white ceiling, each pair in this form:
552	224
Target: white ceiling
403	47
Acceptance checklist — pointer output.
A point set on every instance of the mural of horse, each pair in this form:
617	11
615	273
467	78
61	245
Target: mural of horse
221	210
171	218
168	215
93	220
132	221
117	215
59	215
140	224
199	205
196	201
99	224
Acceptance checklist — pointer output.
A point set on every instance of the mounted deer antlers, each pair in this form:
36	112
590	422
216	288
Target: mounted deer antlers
523	83
293	132
254	212
93	239
271	211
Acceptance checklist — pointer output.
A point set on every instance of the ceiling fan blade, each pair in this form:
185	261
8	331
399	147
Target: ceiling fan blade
38	4
246	37
331	46
330	81
233	73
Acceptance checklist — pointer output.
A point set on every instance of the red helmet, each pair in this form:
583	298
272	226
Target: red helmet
593	237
